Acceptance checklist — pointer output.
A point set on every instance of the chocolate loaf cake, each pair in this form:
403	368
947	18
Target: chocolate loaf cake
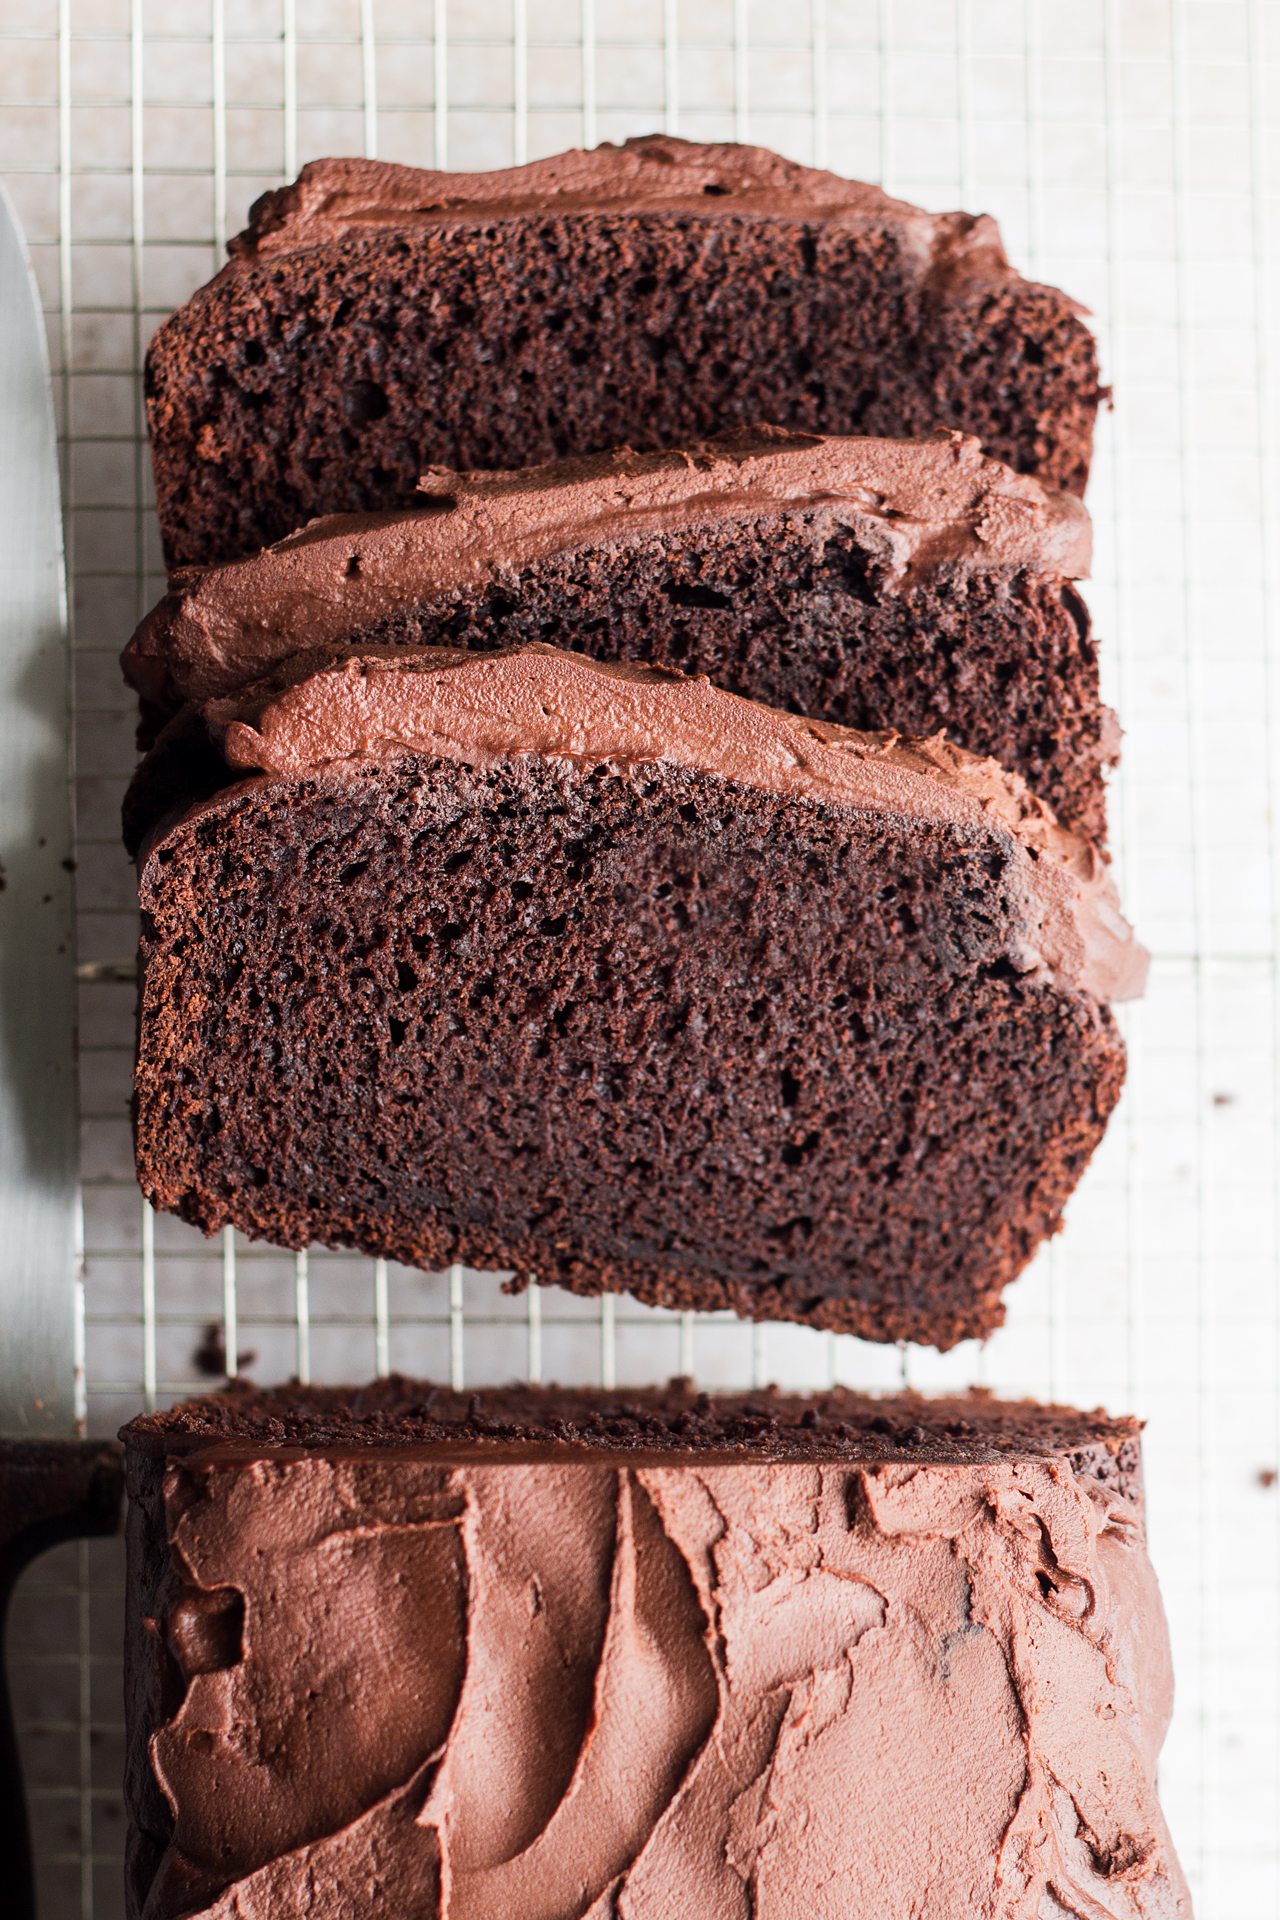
878	583
375	320
576	1656
592	972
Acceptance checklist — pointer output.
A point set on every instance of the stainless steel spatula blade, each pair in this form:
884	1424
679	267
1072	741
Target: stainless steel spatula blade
39	1173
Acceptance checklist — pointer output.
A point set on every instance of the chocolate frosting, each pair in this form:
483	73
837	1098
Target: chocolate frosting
480	709
334	200
529	1682
914	505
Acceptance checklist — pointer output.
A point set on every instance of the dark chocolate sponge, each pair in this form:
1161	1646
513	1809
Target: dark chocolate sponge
675	1418
656	1031
325	377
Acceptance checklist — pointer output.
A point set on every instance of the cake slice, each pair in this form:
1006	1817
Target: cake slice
576	1656
375	320
603	975
878	583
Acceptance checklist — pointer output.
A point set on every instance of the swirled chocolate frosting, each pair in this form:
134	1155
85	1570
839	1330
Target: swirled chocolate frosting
501	1678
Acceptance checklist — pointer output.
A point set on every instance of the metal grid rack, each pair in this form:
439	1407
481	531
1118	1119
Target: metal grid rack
1128	148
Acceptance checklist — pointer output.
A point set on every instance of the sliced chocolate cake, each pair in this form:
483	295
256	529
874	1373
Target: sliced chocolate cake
375	320
575	1656
911	584
597	973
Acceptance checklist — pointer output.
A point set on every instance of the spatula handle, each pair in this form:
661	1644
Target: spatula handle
50	1491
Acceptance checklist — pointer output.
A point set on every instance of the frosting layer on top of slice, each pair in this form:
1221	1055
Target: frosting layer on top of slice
915	505
535	700
340	198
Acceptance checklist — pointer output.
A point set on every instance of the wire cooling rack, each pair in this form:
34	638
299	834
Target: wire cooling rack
1128	148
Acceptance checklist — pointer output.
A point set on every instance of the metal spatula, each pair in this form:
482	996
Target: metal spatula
53	1486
